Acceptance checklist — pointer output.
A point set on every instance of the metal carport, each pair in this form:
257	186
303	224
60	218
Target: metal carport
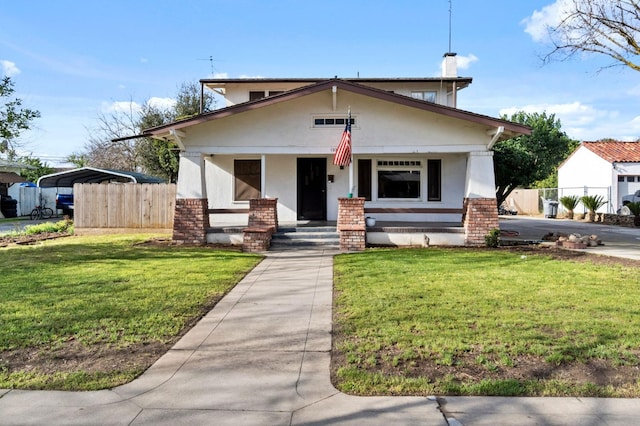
94	175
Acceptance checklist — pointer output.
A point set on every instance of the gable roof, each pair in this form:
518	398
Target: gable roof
94	175
214	83
615	151
510	129
11	177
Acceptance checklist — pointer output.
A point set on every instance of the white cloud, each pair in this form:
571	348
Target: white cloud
584	122
220	75
134	107
121	106
162	103
464	62
9	68
537	24
570	114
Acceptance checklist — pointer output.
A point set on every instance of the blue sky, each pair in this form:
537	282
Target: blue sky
73	60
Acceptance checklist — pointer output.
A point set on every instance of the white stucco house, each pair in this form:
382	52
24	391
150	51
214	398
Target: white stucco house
607	168
416	156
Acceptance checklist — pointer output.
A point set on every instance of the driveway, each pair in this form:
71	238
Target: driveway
19	223
618	241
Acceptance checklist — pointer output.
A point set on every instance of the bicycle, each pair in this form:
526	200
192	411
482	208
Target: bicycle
41	213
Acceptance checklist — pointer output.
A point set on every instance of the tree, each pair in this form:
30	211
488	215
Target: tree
13	119
37	168
103	152
523	160
78	159
151	156
607	27
161	158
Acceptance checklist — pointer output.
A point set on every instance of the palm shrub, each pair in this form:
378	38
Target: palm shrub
593	203
569	202
634	208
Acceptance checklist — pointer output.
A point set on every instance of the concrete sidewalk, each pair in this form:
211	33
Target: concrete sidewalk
261	357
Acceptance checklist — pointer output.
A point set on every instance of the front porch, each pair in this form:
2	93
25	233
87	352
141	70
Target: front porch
383	234
479	217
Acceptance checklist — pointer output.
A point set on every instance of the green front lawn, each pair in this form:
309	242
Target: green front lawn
97	295
484	322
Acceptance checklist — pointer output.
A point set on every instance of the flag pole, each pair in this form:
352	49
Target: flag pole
351	160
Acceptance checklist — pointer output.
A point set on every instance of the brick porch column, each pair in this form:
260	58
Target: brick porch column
480	216
190	221
263	212
351	224
479	207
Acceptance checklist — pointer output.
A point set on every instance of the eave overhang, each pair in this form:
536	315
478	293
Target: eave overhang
509	129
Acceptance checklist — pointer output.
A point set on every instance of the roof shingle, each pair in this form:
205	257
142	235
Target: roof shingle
615	151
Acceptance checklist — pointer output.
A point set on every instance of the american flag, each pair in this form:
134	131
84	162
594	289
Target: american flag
342	156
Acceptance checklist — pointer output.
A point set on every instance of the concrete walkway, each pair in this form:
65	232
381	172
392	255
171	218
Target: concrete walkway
261	357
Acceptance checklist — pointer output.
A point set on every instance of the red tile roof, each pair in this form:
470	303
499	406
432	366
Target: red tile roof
615	152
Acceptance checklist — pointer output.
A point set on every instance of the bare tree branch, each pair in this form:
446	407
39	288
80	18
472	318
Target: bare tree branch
603	27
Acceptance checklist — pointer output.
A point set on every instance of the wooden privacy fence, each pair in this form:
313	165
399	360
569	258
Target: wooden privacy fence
124	207
525	201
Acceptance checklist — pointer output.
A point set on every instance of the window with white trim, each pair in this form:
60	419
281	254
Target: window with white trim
254	95
247	179
429	96
399	179
332	121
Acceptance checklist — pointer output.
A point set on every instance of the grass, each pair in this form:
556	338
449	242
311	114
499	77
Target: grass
403	317
107	291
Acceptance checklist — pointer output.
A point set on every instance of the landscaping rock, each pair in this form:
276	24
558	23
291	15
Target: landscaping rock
577	241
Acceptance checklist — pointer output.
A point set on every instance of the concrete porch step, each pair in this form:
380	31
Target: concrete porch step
323	236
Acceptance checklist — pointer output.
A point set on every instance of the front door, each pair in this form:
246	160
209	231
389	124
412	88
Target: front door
312	188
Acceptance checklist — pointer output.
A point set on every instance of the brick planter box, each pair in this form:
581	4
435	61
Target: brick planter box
257	239
352	238
575	245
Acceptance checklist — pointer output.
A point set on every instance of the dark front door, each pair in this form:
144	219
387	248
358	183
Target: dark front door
312	188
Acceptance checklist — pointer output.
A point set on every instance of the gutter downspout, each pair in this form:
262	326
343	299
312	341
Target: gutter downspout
455	95
496	135
201	97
